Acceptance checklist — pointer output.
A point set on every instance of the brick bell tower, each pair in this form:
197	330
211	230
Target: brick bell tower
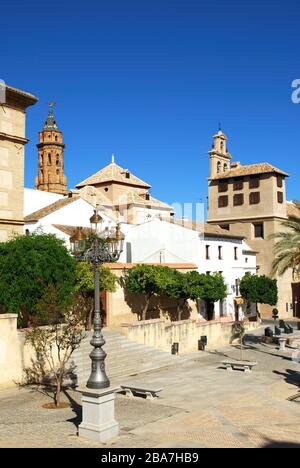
51	176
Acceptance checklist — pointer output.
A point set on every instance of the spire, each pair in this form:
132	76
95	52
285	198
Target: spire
50	123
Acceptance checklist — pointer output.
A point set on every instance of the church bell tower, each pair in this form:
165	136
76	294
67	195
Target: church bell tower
219	155
51	176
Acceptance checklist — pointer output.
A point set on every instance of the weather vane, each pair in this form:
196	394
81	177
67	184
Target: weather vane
51	104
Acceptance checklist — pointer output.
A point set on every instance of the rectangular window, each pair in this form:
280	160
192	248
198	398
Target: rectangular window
223	201
207	252
254	198
259	230
238	199
220	252
279	181
235	253
280	197
237	287
254	182
238	185
223	187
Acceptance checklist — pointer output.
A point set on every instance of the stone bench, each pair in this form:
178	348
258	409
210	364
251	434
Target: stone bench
133	389
245	365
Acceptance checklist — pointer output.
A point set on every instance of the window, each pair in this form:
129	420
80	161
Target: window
238	185
223	201
57	171
280	197
223	187
279	181
207	252
127	175
237	287
147	196
220	252
218	167
226	227
254	182
225	167
49	158
235	253
106	189
254	198
56	138
57	159
259	230
238	199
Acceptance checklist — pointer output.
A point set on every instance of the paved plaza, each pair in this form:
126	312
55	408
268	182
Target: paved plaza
201	405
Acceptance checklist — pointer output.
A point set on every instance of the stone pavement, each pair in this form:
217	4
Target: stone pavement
201	405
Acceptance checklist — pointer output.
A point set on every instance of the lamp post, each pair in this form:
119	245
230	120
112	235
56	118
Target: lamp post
105	246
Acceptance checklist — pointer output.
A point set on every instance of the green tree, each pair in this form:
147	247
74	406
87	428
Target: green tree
259	289
177	287
55	343
287	247
85	287
148	280
28	265
210	288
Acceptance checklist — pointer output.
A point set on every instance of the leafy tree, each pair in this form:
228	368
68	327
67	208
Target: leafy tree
148	280
239	330
287	247
178	287
55	343
28	265
85	286
210	288
259	289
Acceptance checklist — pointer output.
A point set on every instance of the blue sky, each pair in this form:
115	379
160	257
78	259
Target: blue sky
150	80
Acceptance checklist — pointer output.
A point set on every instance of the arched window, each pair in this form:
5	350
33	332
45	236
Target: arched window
225	167
57	159
56	137
219	166
222	145
49	158
57	171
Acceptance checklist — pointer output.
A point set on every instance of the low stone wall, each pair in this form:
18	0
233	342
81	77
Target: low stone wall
162	335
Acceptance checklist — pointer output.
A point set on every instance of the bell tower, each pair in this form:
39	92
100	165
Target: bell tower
51	176
219	155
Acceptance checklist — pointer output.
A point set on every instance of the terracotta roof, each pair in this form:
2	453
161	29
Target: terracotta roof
250	169
70	230
113	173
36	215
140	198
127	266
207	229
292	210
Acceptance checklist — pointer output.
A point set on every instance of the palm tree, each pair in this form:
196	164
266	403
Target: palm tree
287	248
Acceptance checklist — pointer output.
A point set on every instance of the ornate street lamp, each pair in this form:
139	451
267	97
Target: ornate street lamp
104	247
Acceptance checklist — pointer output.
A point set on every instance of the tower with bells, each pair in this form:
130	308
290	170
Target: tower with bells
219	156
51	176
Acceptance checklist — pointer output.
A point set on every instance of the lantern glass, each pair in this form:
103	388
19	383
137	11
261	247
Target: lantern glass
78	241
116	242
96	222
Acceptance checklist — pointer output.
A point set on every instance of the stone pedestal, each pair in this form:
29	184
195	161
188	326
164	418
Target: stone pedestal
98	414
282	342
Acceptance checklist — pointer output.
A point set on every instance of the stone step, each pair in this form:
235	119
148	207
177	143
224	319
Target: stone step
124	357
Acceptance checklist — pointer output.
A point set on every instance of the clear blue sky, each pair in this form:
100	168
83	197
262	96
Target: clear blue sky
150	80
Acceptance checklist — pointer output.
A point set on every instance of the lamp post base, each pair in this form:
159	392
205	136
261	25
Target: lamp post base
98	414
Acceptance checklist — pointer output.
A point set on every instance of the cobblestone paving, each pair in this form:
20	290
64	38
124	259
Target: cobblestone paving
201	405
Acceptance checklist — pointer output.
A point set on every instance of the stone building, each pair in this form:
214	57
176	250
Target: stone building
124	195
51	176
250	200
12	144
